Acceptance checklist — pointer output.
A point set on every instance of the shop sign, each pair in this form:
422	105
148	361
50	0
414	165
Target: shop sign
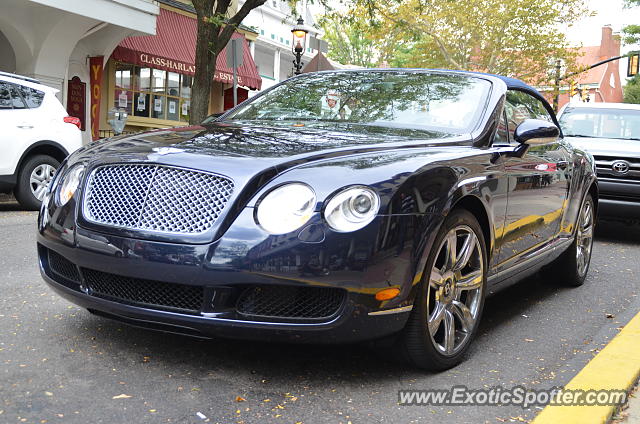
76	100
227	78
95	73
166	64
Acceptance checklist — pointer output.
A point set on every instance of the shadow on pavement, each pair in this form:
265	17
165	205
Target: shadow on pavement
323	365
11	207
8	203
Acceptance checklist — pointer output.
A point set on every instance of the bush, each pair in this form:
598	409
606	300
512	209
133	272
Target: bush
632	91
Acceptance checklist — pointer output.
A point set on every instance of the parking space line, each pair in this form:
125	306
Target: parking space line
616	367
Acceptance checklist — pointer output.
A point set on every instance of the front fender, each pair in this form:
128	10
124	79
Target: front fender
583	177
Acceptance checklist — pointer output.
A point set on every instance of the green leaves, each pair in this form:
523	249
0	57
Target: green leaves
632	90
511	37
349	39
631	34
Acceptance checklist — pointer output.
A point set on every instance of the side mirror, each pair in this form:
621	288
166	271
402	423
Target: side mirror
535	132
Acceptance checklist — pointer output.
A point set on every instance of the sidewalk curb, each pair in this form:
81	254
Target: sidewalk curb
616	367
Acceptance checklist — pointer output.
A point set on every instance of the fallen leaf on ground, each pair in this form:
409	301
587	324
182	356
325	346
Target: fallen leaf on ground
122	396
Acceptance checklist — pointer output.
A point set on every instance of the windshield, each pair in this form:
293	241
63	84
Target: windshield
601	123
420	101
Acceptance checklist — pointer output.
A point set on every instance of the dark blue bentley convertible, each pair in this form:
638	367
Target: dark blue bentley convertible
333	207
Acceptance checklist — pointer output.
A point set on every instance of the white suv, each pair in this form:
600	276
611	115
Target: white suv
36	134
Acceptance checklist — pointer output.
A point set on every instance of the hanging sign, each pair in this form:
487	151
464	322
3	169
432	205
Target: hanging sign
76	100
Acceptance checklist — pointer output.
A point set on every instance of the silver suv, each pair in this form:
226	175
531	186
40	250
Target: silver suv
611	133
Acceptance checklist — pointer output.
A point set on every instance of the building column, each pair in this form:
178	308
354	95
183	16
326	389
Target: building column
276	65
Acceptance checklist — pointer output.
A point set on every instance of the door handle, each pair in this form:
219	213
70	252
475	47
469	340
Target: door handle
563	164
25	127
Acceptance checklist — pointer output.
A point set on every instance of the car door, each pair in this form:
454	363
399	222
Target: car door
538	184
17	130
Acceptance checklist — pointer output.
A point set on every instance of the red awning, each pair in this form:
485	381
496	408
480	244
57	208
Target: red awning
173	48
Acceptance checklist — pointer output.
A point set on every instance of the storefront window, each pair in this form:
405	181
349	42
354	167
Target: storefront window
143	79
141	104
173	84
185	90
123	76
158	107
159	81
152	93
124	81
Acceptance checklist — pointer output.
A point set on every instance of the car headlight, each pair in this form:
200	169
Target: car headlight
69	183
352	209
286	208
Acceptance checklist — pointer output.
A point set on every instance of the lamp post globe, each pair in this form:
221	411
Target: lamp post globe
299	33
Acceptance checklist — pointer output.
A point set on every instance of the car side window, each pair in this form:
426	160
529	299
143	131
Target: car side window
502	135
16	99
32	96
520	106
5	97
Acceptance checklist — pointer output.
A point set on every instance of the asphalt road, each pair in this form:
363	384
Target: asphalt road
59	364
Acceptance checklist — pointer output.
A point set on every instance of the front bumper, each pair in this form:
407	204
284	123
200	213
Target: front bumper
623	209
342	268
619	199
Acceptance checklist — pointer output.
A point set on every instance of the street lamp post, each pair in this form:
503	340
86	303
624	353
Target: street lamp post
299	33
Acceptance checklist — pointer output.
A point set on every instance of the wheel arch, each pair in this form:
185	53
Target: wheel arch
44	147
476	207
595	193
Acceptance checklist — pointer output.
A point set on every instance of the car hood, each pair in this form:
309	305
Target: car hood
607	146
239	150
253	156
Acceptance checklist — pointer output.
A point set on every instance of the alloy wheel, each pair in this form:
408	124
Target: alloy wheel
40	178
584	237
455	290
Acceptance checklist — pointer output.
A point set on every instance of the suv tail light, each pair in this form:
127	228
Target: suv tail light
72	120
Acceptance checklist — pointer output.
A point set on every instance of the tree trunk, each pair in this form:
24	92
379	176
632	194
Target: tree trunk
203	75
213	36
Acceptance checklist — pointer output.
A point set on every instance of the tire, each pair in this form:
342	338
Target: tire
572	267
438	349
34	176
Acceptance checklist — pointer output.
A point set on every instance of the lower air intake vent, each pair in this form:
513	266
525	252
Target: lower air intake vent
61	266
135	291
290	302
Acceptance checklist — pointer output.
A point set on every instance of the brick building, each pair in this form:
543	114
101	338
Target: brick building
602	82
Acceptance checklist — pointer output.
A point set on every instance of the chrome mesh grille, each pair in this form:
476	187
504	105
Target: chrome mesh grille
155	198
